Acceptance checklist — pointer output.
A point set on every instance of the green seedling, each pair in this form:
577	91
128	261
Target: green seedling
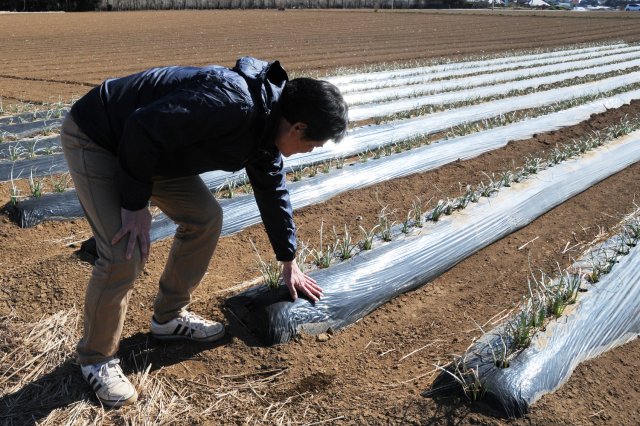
14	192
367	237
271	271
506	178
450	207
247	188
35	185
230	185
302	256
500	355
558	156
61	182
49	130
340	162
521	328
15	152
486	190
385	224
461	202
345	247
533	165
324	256
377	153
298	174
406	224
520	174
628	239
363	157
467	378
594	275
633	230
31	150
439	210
325	167
471	195
563	293
416	212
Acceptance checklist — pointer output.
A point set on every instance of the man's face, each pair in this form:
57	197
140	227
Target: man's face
290	139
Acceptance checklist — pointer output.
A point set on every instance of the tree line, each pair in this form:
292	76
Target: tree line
50	5
86	5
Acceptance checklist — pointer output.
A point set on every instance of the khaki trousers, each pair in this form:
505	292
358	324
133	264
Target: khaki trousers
186	200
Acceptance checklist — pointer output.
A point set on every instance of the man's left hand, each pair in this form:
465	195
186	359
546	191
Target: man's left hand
296	281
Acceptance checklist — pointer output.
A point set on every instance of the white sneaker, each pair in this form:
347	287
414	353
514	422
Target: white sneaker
188	326
109	383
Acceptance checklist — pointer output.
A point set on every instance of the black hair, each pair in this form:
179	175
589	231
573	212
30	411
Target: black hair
319	105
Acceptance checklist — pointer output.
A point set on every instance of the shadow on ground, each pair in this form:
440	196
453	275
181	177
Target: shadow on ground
64	386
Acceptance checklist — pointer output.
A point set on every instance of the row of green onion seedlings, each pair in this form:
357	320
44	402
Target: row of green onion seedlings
516	92
419	63
547	300
431	109
346	246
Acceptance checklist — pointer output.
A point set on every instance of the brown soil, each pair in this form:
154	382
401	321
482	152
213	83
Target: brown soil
357	376
39	66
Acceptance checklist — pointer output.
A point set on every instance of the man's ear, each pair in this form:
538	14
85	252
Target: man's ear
300	126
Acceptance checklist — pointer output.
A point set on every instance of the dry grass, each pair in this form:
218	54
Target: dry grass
41	383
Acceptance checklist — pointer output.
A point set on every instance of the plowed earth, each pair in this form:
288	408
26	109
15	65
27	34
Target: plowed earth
360	375
48	57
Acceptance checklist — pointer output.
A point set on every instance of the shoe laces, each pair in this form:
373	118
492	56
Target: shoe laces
194	321
111	372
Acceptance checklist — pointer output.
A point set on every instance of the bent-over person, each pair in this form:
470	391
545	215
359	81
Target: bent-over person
146	138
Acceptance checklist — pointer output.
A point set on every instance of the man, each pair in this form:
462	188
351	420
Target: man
146	137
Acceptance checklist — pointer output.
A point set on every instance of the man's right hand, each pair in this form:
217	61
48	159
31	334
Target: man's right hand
137	224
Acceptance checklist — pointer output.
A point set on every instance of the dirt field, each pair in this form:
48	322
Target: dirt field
358	376
53	57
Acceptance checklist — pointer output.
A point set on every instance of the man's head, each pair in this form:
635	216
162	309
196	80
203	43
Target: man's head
313	111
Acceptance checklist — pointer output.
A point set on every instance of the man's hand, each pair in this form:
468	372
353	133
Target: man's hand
297	281
137	224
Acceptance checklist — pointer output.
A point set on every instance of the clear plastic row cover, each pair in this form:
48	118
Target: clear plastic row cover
497	71
242	211
606	316
343	80
356	287
561	71
65	205
384	133
363	112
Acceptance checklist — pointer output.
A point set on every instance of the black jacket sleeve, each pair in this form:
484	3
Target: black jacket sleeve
267	178
197	111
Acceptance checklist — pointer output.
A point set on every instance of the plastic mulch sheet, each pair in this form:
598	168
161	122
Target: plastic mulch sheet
25	117
488	65
356	287
396	130
520	79
484	74
533	100
606	316
37	146
65	206
25	130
